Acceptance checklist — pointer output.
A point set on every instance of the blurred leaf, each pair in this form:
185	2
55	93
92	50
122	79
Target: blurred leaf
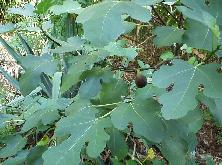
68	6
18	159
25	45
100	20
144	117
33	29
47	84
11	79
11	51
117	143
199	36
193	121
13	145
186	79
117	48
83	127
116	161
90	88
26	10
45	113
113	92
146	3
149	91
44	5
47	25
72	44
4	118
167	35
56	85
174	150
128	26
8	27
35	155
197	12
158	162
35	65
131	162
81	64
217	112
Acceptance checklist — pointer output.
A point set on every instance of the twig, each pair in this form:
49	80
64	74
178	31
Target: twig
137	160
180	25
50	38
177	49
107	114
142	69
128	135
143	25
212	54
176	19
78	53
128	38
157	14
156	20
134	150
145	40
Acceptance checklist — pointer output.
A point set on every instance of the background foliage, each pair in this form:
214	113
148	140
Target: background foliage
76	106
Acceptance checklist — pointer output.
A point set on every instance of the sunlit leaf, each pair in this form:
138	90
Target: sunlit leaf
83	127
100	20
186	79
144	117
167	35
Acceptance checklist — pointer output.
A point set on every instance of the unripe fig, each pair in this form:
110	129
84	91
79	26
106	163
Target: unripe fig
140	81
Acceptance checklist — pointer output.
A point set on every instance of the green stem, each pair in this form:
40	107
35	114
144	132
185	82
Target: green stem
212	54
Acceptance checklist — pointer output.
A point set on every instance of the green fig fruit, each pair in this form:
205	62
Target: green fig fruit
141	81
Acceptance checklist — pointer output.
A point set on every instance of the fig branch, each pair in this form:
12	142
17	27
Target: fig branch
173	16
127	69
158	16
